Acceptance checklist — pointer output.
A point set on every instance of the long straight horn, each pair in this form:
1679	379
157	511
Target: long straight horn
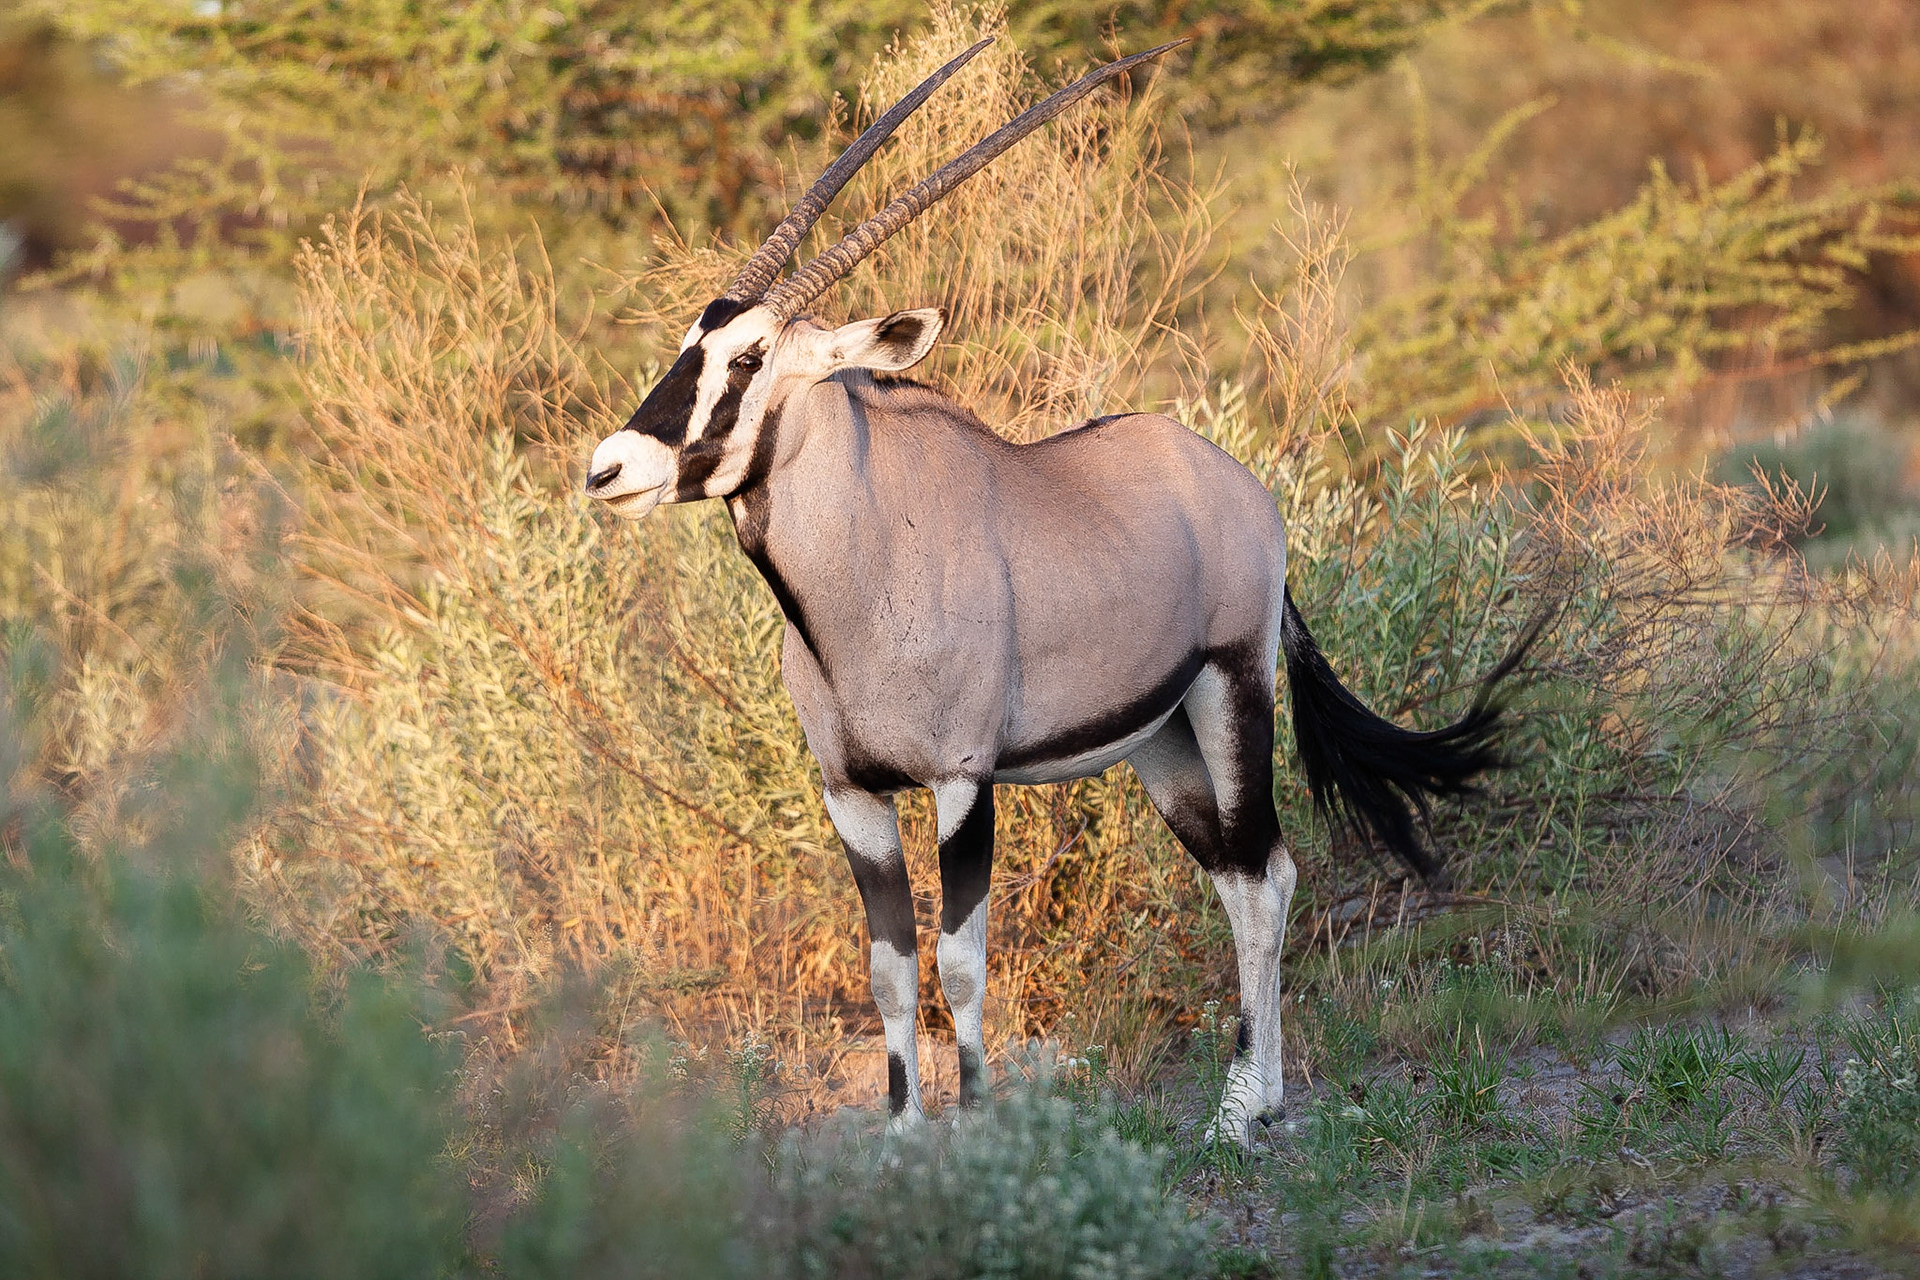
771	256
817	276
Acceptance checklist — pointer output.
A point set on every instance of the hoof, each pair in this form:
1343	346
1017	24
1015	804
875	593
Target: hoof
1271	1117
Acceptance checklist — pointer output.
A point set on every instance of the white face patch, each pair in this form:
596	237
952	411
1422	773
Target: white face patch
634	472
734	427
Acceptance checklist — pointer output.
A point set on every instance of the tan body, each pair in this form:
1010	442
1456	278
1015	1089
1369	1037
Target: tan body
978	619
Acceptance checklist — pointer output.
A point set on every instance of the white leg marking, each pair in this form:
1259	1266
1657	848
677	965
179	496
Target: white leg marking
868	824
1257	909
896	992
1209	710
952	802
963	980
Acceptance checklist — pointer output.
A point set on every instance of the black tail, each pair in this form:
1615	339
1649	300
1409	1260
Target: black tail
1369	774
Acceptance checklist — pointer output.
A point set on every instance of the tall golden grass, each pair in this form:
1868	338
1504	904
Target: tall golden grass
561	744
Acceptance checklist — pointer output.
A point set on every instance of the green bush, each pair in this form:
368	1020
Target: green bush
643	1190
1856	471
1032	1190
1879	1112
171	1105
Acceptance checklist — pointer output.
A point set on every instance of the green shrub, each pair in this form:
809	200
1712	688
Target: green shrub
1879	1112
1856	471
171	1105
1032	1189
634	1191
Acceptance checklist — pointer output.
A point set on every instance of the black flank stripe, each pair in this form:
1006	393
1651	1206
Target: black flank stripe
869	774
1110	728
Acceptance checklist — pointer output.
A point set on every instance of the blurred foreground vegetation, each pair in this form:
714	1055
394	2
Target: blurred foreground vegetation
400	858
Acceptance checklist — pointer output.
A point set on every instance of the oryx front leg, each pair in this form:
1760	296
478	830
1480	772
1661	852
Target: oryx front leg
870	829
965	811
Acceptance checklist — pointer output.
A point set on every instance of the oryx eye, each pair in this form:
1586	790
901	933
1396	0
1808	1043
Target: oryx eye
745	360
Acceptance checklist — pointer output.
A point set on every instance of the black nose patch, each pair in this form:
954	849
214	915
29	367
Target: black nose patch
601	479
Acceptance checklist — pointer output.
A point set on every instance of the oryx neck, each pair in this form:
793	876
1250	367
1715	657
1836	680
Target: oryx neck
813	524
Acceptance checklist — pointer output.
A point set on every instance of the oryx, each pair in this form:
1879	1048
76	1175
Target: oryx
963	611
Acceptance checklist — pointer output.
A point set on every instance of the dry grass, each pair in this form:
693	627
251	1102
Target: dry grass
564	745
1068	267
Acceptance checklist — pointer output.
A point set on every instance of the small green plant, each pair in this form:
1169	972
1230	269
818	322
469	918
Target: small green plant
1345	1036
1210	1052
1680	1069
1580	1191
1394	1128
1085	1077
1466	1079
1773	1070
752	1071
1879	1103
1238	1263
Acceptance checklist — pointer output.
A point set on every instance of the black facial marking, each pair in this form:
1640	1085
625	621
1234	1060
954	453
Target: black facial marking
966	862
698	461
760	465
664	413
719	311
896	1084
1119	723
973	1077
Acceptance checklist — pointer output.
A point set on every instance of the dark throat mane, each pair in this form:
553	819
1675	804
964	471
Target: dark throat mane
896	393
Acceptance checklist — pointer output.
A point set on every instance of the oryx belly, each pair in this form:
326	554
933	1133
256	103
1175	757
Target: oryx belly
1087	763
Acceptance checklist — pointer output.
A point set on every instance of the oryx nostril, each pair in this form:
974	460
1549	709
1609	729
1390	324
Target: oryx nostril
601	479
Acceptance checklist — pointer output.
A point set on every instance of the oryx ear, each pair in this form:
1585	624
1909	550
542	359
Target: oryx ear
889	344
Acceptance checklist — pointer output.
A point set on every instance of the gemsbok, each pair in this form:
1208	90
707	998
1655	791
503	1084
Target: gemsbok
963	611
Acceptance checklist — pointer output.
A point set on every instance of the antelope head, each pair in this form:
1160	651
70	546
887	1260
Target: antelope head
698	433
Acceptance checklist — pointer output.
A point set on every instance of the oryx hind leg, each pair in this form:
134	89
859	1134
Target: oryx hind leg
964	808
1209	772
869	827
